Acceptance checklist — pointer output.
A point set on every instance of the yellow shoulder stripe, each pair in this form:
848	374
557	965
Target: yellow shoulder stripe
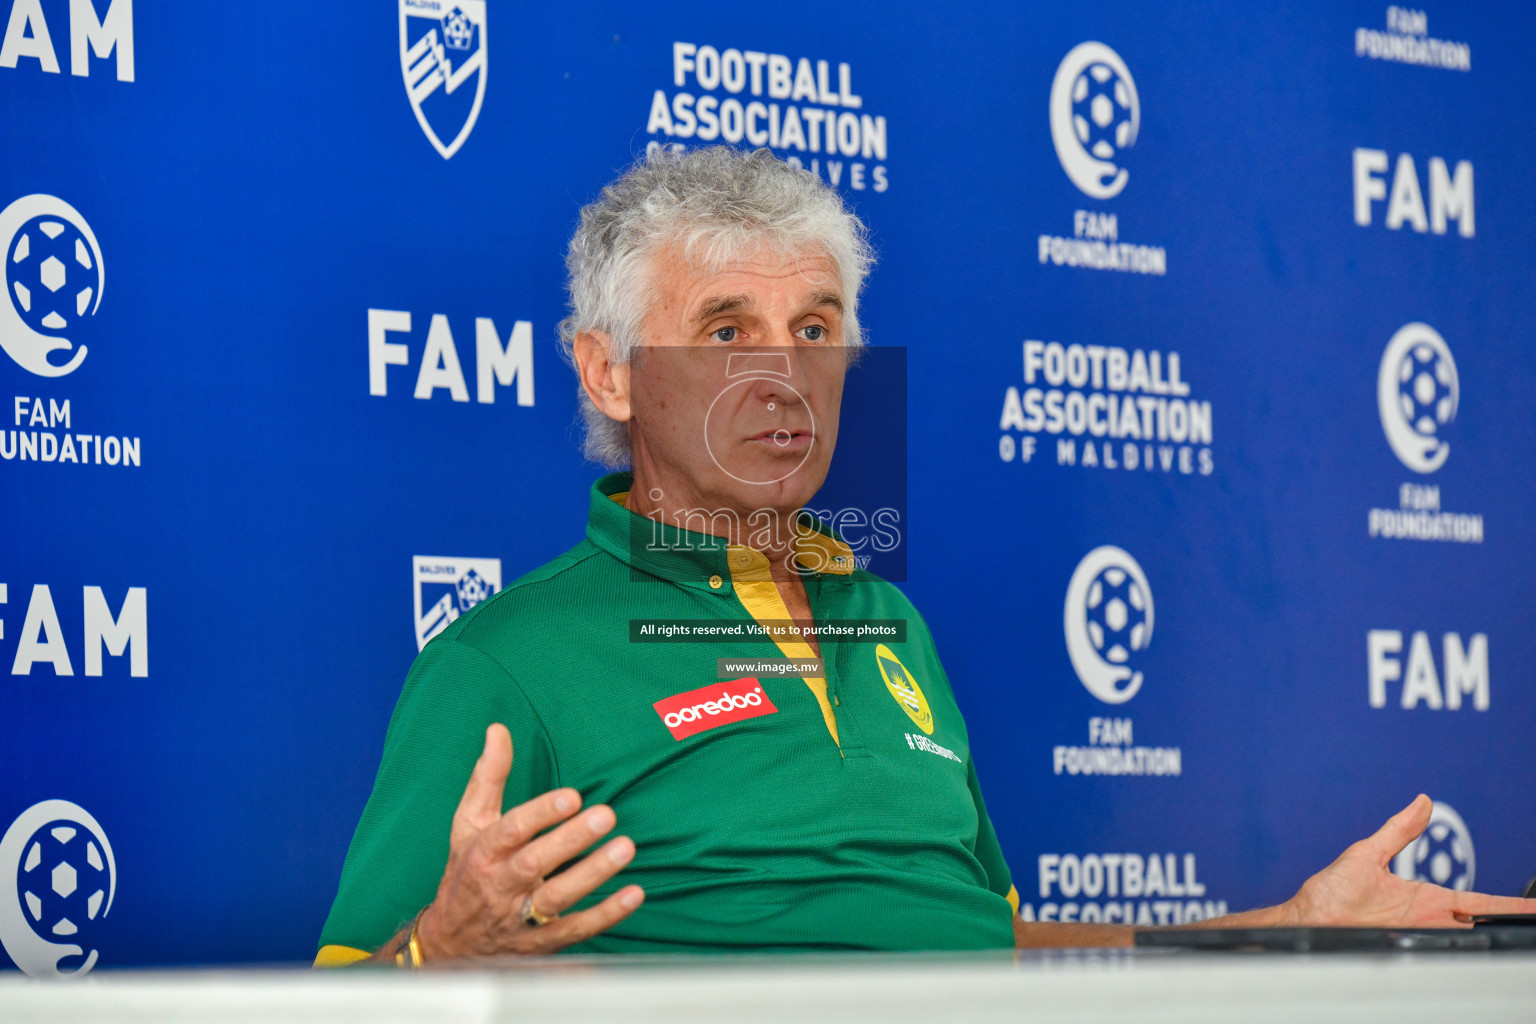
339	956
759	595
1013	898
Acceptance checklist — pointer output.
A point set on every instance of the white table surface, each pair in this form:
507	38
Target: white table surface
1119	986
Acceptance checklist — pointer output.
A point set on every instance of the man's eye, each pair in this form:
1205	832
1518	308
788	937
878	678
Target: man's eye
724	334
815	332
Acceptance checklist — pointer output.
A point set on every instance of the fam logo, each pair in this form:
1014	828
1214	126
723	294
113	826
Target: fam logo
27	36
801	109
904	688
440	368
1407	41
54	276
1451	194
1418	391
65	880
447	588
1095	115
41	639
54	279
443	48
1108	620
1464	670
1442	854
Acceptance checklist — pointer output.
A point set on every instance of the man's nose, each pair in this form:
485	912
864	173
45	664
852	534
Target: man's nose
774	374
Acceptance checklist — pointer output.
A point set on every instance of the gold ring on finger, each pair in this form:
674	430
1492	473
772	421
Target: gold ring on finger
532	916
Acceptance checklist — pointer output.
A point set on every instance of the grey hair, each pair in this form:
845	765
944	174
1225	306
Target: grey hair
720	205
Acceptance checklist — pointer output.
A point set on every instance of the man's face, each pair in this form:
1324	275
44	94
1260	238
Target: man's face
735	395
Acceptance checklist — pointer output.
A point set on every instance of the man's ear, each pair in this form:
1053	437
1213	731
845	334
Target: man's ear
604	381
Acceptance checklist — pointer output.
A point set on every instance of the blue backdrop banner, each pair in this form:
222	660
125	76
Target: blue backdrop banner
1215	465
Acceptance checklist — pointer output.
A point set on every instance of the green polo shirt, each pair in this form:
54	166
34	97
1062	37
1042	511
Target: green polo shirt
847	817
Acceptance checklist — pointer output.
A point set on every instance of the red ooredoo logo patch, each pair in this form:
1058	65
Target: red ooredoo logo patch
710	706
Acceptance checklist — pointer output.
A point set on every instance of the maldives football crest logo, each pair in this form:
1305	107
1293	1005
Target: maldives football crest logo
447	588
442	53
1095	115
53	278
1108	623
1417	392
57	881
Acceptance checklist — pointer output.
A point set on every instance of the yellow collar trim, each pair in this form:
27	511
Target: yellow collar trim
753	585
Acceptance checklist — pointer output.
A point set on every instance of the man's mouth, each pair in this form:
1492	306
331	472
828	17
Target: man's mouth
783	439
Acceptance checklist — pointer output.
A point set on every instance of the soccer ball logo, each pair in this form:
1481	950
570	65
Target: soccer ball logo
458	30
1101	111
1108	620
1424	389
1438	856
1117	615
65	879
1095	116
472	589
1442	855
1417	394
51	274
53	278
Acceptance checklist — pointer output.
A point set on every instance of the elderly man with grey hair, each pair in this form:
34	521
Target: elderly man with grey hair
714	315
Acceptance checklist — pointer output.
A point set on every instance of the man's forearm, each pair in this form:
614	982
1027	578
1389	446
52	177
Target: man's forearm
386	953
389	953
1060	935
1281	916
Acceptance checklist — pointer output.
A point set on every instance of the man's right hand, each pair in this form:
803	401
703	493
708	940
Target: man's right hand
497	861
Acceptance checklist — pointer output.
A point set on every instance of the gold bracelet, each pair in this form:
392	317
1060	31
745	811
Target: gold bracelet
412	946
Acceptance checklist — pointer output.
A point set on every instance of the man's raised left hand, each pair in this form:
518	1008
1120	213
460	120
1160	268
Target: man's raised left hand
1359	890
